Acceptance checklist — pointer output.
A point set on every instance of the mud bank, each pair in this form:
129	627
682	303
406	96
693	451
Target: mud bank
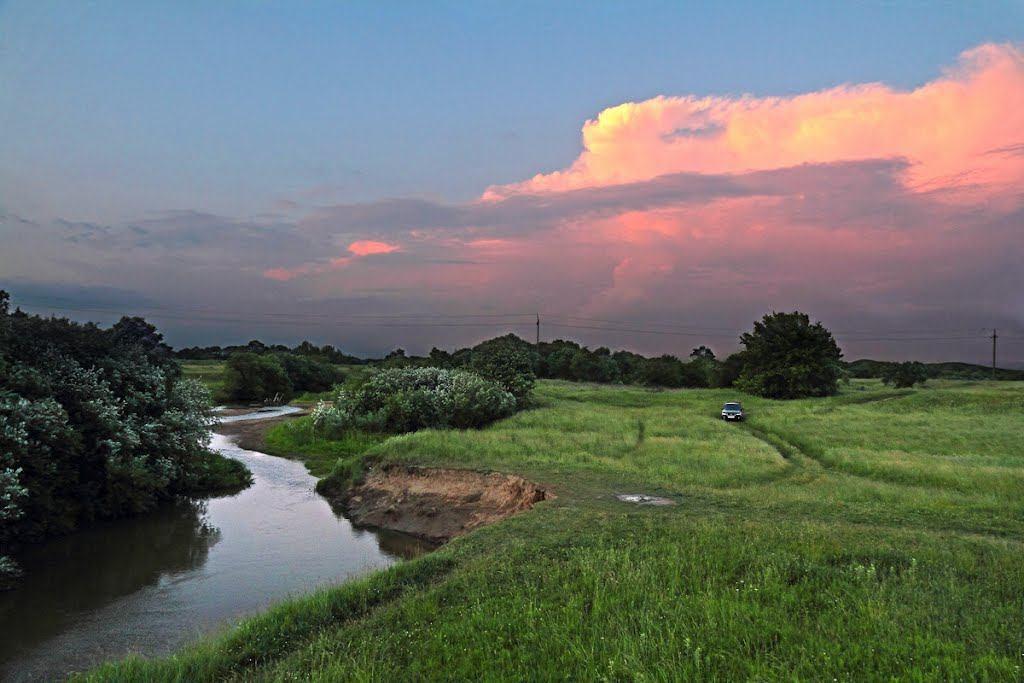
437	504
249	434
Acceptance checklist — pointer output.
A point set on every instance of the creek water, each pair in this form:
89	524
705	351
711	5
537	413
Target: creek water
149	585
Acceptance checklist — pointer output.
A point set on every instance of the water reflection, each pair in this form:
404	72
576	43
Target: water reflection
81	572
149	584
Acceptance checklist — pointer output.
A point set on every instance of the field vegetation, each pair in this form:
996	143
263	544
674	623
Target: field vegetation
874	534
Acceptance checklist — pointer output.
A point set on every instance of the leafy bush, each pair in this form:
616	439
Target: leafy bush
904	375
508	361
95	424
407	399
308	374
255	377
788	357
729	370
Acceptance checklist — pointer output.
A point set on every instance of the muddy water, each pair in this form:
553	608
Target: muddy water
151	584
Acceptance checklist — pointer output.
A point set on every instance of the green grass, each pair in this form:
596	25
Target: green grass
209	372
878	534
296	439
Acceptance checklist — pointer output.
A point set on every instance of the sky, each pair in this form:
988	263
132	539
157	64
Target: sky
644	175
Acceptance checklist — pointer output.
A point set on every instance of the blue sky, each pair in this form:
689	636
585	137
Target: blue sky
203	124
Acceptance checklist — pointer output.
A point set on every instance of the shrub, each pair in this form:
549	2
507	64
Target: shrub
788	357
407	399
255	377
93	427
905	375
729	370
509	362
308	374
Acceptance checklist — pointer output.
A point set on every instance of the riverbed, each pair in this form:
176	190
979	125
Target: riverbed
151	584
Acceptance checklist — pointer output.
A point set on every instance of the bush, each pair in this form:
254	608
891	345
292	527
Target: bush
788	357
252	377
308	374
729	370
95	424
509	362
407	399
905	375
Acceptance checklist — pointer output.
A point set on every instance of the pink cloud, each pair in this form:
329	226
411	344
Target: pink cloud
357	249
946	128
370	247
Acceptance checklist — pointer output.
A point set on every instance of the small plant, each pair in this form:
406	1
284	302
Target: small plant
641	429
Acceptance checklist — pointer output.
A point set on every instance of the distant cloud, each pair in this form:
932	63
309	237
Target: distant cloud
370	247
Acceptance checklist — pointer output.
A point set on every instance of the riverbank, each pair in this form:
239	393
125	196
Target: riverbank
188	568
877	534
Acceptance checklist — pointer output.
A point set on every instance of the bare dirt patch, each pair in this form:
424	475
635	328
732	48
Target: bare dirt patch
437	504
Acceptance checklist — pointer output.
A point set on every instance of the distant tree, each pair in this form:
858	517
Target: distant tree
593	366
905	375
703	353
306	373
509	362
663	371
254	377
440	358
729	370
629	364
786	356
256	346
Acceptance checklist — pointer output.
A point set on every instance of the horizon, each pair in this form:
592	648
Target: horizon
420	176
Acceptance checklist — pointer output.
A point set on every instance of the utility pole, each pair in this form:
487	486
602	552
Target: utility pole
994	337
538	333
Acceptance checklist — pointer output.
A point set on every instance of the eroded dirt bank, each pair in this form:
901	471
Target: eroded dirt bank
437	504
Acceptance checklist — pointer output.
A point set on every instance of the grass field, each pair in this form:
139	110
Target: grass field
209	372
874	535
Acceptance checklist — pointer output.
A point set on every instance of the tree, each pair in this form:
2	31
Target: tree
509	362
729	370
254	377
702	353
306	373
905	375
786	356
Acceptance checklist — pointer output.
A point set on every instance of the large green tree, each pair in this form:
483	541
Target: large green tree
787	356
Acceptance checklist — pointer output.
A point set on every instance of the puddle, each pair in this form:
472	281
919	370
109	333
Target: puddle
644	499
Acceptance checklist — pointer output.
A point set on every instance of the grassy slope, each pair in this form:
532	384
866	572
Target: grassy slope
874	534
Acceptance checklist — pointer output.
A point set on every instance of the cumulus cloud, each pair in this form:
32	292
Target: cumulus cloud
945	127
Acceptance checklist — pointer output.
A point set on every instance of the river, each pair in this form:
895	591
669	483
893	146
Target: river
149	585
